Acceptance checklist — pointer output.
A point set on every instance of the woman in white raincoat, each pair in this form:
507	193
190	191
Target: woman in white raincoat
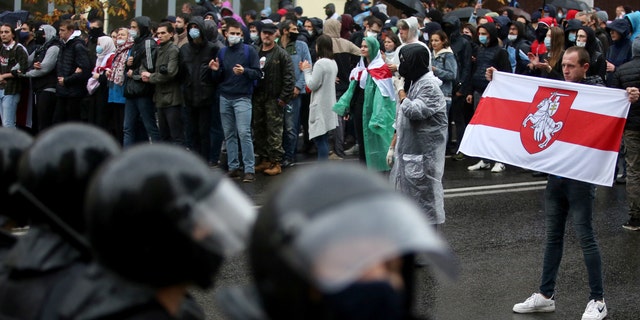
417	151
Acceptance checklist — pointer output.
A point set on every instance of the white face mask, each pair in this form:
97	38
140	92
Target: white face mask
233	40
372	34
254	36
581	43
512	37
310	32
120	42
425	36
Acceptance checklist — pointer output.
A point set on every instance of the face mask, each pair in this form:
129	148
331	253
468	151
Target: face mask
560	16
39	37
366	8
425	36
179	30
482	39
372	34
24	35
120	42
310	32
512	37
95	32
194	33
367	300
254	36
293	36
581	43
198	1
547	42
133	33
99	49
233	40
329	13
572	37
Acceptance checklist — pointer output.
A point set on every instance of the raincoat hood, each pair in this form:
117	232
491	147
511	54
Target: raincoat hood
634	19
332	28
49	32
414	26
451	26
144	28
415	62
374	47
622	26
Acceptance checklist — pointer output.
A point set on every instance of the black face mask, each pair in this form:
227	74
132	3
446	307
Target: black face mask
179	30
95	32
414	63
541	33
329	13
293	36
367	301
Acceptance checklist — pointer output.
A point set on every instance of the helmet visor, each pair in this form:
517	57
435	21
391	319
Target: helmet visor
337	247
221	221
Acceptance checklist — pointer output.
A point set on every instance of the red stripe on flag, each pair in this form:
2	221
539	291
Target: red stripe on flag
380	73
509	114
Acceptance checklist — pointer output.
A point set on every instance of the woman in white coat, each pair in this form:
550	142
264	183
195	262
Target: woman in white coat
321	82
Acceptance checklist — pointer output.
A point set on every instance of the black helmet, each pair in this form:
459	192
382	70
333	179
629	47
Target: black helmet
159	216
321	229
12	144
57	168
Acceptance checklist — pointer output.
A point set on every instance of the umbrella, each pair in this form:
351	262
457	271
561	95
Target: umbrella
465	13
516	12
12	17
570	4
408	6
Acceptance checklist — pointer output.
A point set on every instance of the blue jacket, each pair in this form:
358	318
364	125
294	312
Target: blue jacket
232	86
301	53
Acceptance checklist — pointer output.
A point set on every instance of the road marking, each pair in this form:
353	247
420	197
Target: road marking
494	189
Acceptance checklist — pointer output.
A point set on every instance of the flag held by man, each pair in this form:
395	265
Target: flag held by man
561	128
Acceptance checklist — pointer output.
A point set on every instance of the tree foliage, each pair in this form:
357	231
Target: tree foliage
119	8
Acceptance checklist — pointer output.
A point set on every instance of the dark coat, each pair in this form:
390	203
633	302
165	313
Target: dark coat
198	83
627	75
73	55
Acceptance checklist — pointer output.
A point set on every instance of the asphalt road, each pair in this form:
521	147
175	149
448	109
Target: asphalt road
495	226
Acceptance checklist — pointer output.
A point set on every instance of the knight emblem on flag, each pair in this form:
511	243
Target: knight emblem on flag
545	118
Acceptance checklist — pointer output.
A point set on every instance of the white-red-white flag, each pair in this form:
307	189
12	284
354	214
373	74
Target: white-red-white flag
562	128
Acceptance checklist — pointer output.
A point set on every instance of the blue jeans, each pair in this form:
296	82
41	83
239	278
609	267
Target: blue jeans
322	145
8	108
143	108
235	115
291	128
564	197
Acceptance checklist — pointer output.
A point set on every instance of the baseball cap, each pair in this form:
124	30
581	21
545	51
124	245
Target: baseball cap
269	28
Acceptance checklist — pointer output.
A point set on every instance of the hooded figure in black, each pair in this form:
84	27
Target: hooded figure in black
598	64
489	54
198	84
620	49
570	32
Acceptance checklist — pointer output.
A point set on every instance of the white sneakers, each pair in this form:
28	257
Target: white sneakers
596	310
478	166
535	303
498	167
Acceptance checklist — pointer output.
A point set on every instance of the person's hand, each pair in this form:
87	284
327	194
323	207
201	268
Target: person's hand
478	6
129	61
393	67
610	67
145	76
95	76
281	103
634	94
296	92
130	73
78	70
37	65
238	69
398	83
61	81
304	65
469	99
488	74
108	73
390	157
214	64
401	94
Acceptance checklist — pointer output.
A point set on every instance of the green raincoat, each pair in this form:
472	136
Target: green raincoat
378	110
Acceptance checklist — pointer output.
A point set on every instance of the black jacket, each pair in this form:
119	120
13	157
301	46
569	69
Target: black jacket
487	56
279	77
73	55
627	75
462	49
143	52
198	83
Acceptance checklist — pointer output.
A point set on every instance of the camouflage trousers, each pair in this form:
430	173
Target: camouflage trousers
268	123
632	156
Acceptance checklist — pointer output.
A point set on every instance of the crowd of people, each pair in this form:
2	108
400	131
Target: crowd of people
395	91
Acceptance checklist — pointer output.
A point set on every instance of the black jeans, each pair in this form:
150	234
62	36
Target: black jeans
200	123
45	103
170	124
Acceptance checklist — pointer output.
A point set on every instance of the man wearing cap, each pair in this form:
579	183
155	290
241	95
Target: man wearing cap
270	99
330	11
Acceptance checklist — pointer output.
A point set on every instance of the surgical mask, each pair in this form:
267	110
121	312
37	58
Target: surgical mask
372	34
547	42
179	30
254	36
483	39
133	33
560	16
310	32
233	40
512	37
367	300
120	42
581	43
425	36
572	37
99	49
194	33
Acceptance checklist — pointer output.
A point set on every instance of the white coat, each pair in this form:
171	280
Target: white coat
322	83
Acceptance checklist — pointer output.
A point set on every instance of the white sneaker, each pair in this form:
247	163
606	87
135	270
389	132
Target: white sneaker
353	151
498	167
535	303
596	310
478	166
